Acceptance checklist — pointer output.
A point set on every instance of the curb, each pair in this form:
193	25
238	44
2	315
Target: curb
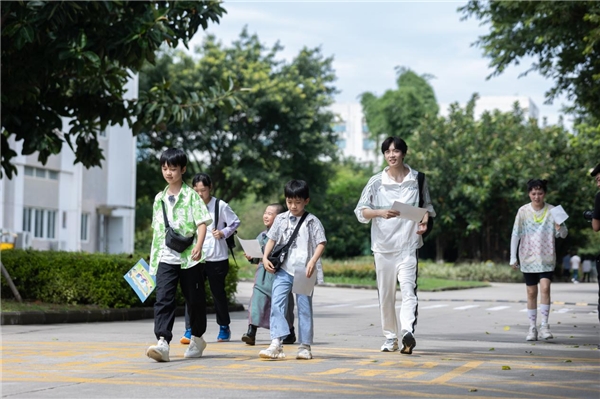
91	316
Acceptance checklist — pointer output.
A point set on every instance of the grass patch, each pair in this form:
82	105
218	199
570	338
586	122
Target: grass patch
11	305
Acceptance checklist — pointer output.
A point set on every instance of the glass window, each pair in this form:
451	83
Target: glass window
40	173
27	219
28	171
53	175
368	144
85	218
341	144
51	224
64	220
38	232
339	127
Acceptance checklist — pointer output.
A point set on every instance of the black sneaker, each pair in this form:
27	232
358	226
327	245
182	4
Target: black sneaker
290	339
250	337
408	343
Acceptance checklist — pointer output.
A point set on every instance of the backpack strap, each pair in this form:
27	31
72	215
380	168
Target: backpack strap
217	213
420	180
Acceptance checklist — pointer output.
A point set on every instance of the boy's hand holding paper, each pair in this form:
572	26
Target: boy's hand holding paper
409	212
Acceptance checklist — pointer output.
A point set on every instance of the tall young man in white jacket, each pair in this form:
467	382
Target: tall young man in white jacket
395	241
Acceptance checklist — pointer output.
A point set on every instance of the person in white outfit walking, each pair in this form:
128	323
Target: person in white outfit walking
395	241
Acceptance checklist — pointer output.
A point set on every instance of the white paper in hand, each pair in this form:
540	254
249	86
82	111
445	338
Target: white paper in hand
251	248
559	214
410	212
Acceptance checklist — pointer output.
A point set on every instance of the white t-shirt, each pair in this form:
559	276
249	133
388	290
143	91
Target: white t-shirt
575	262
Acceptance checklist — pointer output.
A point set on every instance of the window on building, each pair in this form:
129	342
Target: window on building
52	175
64	224
27	219
40	222
85	221
339	127
38	231
368	144
29	171
341	144
40	173
51	232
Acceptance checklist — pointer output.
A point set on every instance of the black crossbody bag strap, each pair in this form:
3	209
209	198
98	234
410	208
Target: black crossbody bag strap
217	213
165	214
295	233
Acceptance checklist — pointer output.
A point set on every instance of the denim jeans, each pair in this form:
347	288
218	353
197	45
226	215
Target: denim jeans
282	286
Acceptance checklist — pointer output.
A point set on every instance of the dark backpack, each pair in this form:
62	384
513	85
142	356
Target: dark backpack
420	180
230	240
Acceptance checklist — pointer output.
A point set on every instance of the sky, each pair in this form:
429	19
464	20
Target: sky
368	39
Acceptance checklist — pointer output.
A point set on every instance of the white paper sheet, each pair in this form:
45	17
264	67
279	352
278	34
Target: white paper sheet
303	285
559	214
251	248
409	212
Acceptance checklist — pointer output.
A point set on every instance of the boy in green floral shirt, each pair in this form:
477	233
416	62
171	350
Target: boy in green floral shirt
187	215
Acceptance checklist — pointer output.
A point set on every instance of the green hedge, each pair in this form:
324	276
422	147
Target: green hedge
83	278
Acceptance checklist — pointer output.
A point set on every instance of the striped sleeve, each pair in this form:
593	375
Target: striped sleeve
367	198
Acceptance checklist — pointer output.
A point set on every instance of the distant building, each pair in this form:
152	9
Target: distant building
501	103
62	206
353	134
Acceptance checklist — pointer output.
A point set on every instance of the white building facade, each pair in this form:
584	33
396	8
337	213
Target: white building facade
353	134
62	206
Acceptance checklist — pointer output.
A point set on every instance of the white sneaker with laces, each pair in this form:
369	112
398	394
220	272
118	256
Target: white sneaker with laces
274	351
304	352
159	352
197	346
532	335
390	345
545	332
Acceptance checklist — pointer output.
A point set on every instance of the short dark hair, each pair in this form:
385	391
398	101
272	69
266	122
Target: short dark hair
279	208
399	144
202	178
595	171
537	183
173	157
296	189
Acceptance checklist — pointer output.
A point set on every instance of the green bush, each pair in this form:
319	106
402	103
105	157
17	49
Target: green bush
363	267
83	278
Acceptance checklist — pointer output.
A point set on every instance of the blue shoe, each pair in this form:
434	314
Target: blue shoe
187	336
224	334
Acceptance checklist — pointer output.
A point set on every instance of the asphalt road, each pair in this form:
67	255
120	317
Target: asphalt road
470	343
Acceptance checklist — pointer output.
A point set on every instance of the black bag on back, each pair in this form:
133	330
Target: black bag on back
420	180
173	239
279	253
229	240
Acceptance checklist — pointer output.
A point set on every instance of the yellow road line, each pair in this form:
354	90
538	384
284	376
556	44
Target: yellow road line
465	368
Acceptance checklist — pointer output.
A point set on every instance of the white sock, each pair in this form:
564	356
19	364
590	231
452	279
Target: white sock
276	341
532	314
545	311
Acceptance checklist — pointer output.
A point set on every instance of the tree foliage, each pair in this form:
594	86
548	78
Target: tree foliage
478	170
280	129
73	59
562	36
399	112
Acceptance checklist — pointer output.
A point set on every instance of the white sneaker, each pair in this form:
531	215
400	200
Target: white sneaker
159	352
274	351
532	335
304	352
197	346
390	345
545	332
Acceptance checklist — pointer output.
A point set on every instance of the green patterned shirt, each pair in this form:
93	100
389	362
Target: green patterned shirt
189	212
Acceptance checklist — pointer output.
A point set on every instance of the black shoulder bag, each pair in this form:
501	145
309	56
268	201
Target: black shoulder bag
420	180
229	240
280	252
173	239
